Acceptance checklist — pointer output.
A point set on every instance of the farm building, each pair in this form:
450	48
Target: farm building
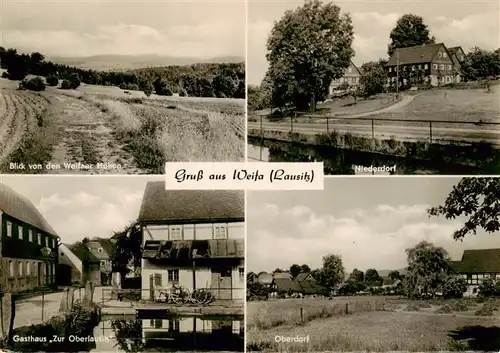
476	265
265	278
431	63
194	239
28	246
77	265
285	275
303	284
352	77
458	55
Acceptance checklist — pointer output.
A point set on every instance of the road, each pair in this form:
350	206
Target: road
401	133
29	311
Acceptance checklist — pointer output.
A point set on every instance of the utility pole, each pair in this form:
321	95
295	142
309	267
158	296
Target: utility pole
397	73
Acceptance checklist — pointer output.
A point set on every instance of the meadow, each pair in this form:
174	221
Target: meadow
125	130
373	323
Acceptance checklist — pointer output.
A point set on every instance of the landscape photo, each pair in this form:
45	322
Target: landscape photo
120	87
119	264
355	268
395	87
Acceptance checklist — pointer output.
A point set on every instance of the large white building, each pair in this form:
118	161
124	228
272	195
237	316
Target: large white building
194	239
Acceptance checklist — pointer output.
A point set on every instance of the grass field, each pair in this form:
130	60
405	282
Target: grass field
129	133
371	324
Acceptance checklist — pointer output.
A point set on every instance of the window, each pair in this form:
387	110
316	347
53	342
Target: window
220	232
173	325
175	233
349	70
449	67
390	69
99	250
241	272
435	66
173	276
30	235
39	239
426	66
444	55
11	268
20	268
156	323
103	263
474	290
413	68
440	54
20	232
46	242
441	66
9	229
28	268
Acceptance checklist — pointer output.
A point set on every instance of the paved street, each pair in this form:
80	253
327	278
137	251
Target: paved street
29	311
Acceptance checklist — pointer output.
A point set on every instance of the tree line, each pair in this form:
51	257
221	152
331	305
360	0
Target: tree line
311	46
429	267
224	80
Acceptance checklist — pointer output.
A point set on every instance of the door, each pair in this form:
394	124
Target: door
151	287
40	273
222	283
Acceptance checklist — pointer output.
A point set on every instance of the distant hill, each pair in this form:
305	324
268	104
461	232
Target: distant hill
385	273
125	62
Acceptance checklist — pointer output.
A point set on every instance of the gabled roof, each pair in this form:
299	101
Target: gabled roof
454	50
105	244
185	206
478	261
355	71
415	55
83	253
286	285
20	207
183	249
281	275
304	276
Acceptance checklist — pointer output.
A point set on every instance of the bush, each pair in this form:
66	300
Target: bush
454	287
70	84
34	84
445	309
459	306
487	288
5	74
52	80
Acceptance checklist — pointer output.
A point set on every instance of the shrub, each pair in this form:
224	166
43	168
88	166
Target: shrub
459	306
34	84
487	288
445	309
52	80
454	287
5	74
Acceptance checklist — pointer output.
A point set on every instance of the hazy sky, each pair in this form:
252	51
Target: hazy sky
368	221
198	29
461	22
78	207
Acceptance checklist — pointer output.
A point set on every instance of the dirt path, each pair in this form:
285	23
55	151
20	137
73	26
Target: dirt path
85	139
405	100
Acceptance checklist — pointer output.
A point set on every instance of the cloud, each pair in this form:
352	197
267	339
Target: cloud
365	238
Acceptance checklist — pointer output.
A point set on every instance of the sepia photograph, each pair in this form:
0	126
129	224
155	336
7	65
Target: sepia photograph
375	88
358	268
119	264
120	87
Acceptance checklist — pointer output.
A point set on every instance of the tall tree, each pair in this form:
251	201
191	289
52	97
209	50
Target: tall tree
410	31
394	275
428	266
374	77
251	277
475	198
305	268
294	270
332	272
372	277
357	276
307	49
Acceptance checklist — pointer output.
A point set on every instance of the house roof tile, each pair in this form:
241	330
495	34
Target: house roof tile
173	206
83	253
415	55
478	261
18	206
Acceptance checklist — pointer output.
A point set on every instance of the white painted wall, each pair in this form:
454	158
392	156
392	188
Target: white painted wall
69	258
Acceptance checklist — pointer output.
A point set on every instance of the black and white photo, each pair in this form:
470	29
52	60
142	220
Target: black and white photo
375	265
119	264
120	87
385	87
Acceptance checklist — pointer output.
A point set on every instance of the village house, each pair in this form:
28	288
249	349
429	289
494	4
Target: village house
303	284
432	63
194	239
265	278
28	246
352	77
458	55
475	266
77	265
102	249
